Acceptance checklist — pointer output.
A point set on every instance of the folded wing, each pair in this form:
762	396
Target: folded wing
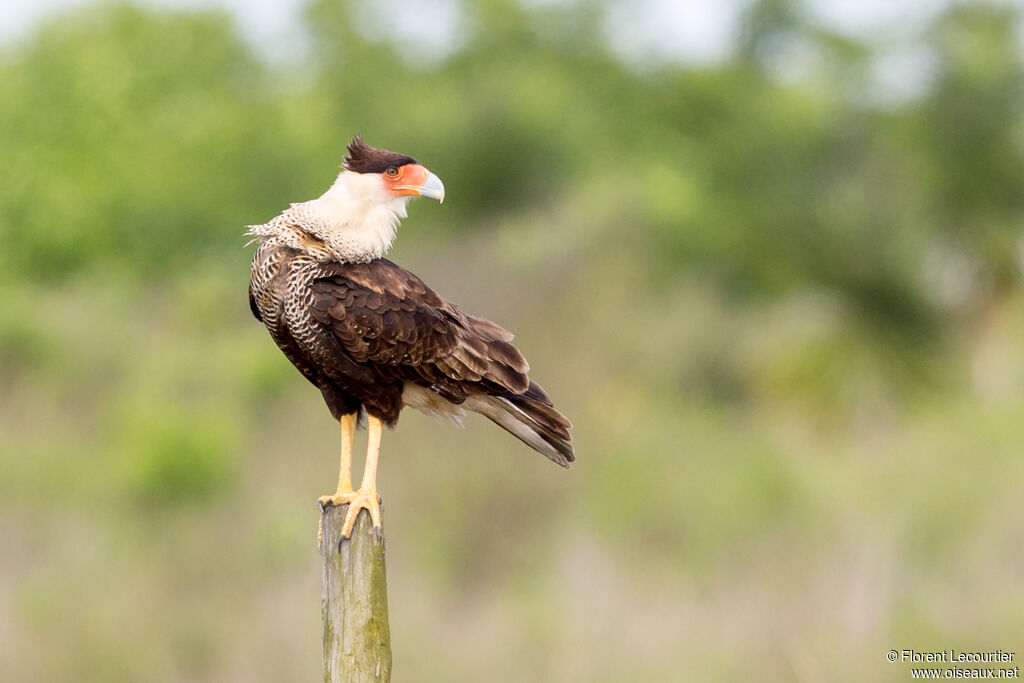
386	318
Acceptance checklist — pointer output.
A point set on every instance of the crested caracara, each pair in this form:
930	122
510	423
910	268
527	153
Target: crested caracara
371	336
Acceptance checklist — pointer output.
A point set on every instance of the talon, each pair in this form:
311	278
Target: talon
368	500
338	499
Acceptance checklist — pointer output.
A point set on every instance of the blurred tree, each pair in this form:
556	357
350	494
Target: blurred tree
139	141
133	141
971	125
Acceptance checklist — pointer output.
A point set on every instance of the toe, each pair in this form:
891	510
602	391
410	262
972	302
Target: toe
337	499
350	520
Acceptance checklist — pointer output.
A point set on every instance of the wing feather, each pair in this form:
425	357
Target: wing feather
385	316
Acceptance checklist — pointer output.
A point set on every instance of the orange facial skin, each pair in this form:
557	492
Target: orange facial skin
405	180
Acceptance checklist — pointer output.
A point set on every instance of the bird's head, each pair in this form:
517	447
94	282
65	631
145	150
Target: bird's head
388	176
358	216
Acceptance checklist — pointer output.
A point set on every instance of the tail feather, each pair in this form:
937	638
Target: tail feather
532	418
536	404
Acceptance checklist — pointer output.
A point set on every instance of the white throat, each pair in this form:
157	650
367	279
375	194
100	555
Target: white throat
355	219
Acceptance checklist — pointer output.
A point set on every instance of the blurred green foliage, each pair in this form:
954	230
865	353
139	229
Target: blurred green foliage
782	309
132	137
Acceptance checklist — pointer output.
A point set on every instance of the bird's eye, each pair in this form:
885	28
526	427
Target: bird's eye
391	172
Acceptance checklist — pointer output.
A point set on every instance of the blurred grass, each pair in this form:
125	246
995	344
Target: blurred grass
165	500
786	323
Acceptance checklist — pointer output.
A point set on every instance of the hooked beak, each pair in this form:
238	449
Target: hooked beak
416	181
433	188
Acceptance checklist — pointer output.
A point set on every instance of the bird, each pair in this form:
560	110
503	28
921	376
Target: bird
372	336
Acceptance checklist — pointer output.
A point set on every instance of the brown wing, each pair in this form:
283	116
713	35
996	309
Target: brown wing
386	317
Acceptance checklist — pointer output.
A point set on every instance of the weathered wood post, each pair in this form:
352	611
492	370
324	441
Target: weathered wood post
354	601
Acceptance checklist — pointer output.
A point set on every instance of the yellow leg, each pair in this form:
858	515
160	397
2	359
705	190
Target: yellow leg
366	496
344	494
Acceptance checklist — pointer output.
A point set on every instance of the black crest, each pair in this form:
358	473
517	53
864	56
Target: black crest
362	158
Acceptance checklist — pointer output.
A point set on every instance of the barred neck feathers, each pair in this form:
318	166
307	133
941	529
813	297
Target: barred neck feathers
352	222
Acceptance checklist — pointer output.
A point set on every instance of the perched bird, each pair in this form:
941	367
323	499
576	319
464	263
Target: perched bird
372	336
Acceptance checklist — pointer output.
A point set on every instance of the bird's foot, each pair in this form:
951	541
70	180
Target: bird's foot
356	501
339	498
361	499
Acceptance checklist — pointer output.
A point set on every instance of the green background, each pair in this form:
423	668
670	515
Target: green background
781	306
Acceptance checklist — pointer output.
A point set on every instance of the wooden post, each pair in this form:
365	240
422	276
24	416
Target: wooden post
354	601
